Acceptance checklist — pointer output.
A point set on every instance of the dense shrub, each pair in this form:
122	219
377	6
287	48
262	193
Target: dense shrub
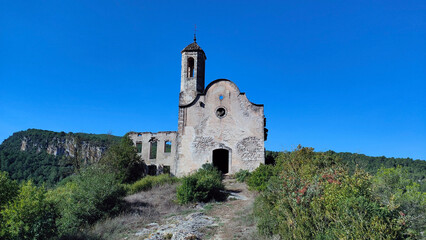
202	186
148	182
86	198
313	197
123	160
29	215
349	208
393	187
259	178
242	175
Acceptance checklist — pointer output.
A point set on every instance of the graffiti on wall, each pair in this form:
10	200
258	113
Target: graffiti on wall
250	148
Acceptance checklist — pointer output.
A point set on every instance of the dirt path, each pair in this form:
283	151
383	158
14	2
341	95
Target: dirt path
235	219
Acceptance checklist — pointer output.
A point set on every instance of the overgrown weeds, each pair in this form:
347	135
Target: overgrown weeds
149	182
242	175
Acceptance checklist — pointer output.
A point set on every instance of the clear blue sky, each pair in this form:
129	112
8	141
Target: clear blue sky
340	75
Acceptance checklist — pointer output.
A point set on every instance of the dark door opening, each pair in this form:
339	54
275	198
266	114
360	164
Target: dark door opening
221	160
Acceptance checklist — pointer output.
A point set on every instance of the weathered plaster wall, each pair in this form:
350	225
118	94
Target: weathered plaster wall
163	158
241	130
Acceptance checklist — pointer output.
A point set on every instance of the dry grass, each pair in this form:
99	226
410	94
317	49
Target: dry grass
161	199
141	208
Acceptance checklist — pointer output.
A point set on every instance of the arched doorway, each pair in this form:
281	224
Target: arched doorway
221	160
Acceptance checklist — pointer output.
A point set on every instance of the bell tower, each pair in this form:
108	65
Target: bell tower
192	73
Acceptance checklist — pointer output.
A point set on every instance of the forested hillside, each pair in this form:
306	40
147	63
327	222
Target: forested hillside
47	156
416	169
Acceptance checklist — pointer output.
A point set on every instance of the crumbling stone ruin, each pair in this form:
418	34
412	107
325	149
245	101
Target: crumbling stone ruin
217	125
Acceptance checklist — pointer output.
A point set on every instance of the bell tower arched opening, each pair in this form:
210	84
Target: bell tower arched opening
190	65
221	160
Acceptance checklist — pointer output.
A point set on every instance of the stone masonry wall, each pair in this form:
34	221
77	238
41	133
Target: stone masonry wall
240	130
162	158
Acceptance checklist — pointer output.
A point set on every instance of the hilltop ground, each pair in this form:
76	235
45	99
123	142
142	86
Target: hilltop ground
235	215
154	214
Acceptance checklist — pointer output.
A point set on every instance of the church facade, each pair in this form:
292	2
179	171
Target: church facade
217	124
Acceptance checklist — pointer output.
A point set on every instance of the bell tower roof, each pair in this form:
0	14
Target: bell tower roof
193	47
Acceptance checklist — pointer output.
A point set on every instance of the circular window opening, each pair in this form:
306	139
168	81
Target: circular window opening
221	112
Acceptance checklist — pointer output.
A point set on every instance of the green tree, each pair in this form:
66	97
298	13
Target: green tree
29	215
87	197
8	189
123	160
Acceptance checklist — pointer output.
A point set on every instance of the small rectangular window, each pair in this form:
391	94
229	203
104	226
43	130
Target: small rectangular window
139	147
167	146
166	169
153	151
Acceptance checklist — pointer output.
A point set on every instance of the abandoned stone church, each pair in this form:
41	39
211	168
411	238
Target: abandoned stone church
217	124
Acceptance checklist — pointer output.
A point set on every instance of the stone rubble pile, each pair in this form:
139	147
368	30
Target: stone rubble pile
178	228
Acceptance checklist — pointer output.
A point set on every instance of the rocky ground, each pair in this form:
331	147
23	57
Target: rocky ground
231	219
191	226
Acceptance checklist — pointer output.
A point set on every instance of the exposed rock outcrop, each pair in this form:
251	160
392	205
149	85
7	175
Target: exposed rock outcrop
66	145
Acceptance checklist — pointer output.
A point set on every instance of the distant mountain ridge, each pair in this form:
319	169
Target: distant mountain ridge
47	156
